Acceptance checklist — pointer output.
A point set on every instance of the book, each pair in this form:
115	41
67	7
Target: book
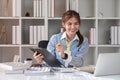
15	8
39	33
7	8
118	35
31	34
35	8
112	34
35	34
18	41
14	32
92	36
115	35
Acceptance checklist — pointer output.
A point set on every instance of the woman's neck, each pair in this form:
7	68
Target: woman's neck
70	37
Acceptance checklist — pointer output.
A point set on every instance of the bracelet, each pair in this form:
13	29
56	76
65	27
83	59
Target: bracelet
66	56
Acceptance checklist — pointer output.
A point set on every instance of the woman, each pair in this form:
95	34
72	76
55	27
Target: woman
69	47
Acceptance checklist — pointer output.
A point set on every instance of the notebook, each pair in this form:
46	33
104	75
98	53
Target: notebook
107	64
48	57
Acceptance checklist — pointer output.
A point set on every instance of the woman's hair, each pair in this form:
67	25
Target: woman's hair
69	14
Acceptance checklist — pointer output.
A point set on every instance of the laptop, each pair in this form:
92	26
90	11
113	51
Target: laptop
50	59
107	64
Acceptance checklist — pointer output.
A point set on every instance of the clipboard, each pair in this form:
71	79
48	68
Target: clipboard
48	57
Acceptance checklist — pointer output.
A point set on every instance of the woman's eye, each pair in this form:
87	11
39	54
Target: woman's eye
76	24
69	24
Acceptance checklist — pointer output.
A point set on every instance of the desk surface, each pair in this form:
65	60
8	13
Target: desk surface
111	77
58	76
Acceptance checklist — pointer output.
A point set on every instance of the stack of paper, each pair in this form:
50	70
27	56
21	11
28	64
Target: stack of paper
13	66
3	71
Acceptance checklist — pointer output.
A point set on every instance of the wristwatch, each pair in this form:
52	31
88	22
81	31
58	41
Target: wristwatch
66	56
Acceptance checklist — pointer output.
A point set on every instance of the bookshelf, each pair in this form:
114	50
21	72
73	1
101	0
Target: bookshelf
94	14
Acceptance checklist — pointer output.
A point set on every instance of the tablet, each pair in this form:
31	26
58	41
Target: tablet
48	57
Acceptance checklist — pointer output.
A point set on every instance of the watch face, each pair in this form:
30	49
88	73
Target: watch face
67	52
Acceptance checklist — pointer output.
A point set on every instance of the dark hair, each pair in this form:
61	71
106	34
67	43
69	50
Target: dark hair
69	14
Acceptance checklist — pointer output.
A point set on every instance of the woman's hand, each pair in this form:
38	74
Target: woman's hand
60	49
38	58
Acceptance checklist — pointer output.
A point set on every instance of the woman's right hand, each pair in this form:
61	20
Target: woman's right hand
60	49
38	58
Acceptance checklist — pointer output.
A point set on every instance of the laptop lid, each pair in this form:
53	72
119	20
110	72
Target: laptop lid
107	64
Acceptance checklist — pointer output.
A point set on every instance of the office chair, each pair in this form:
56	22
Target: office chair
43	43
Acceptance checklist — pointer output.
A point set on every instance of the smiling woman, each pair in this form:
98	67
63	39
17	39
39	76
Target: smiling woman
70	46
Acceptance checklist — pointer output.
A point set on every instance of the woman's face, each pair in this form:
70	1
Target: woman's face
71	26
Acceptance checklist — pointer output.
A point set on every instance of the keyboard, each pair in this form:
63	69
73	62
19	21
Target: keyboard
37	71
40	69
63	70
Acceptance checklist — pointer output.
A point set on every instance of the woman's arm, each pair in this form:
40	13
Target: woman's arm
78	59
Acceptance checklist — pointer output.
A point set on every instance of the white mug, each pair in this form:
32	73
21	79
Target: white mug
28	61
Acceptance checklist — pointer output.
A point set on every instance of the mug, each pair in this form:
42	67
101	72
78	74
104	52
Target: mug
28	61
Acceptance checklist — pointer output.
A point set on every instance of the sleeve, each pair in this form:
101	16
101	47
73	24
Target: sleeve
51	48
78	59
51	45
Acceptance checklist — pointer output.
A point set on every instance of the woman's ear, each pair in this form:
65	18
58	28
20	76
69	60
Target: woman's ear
63	25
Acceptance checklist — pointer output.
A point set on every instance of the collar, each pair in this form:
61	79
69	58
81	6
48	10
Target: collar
64	36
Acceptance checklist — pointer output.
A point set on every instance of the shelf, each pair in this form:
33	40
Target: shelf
9	17
29	45
32	18
109	18
92	46
55	18
8	45
114	46
88	18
